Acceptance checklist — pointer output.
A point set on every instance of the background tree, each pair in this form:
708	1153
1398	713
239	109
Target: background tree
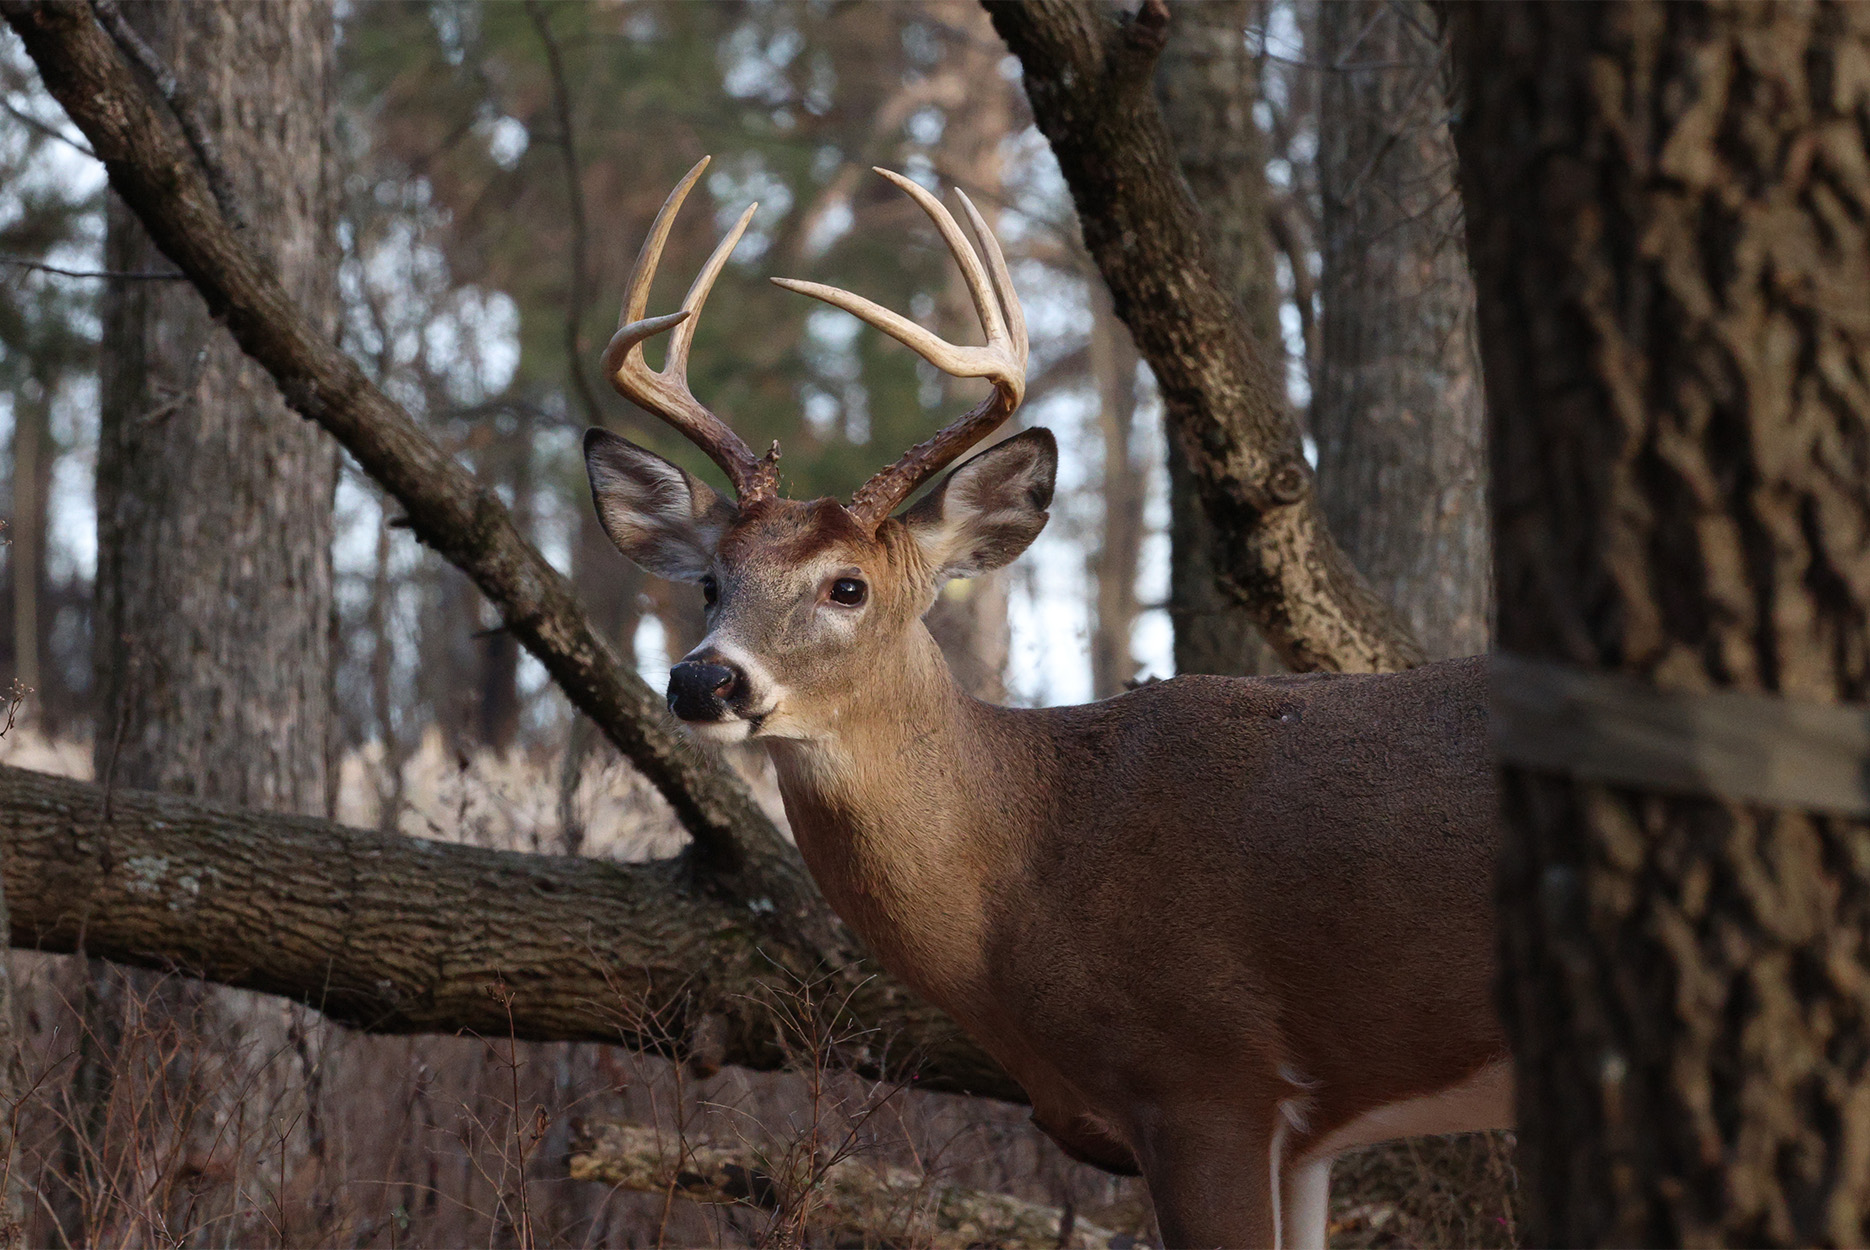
214	500
1667	209
1207	81
47	360
1398	415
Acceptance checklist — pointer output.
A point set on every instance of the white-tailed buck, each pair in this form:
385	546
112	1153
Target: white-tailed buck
1220	929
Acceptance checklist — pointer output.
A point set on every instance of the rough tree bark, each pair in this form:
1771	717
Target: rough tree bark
1667	208
1398	415
214	500
155	172
1206	83
1088	76
369	928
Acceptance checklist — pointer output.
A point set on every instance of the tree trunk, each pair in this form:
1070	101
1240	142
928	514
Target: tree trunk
1207	85
1120	546
214	499
25	534
1088	77
1398	416
1667	210
391	934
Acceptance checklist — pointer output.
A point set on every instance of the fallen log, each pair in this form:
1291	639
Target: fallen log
847	1198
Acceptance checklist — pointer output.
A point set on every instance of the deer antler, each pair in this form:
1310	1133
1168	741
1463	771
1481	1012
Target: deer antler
666	393
1002	361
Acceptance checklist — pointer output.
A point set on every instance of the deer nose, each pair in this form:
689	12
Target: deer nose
699	690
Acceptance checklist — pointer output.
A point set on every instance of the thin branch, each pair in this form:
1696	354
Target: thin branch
38	127
580	230
20	262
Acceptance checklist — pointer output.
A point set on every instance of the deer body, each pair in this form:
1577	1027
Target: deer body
1244	892
1220	929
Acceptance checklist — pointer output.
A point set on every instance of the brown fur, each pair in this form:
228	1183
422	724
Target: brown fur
1167	913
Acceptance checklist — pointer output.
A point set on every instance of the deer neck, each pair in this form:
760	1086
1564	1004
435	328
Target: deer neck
887	813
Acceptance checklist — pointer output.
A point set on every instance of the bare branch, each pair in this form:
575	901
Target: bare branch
391	934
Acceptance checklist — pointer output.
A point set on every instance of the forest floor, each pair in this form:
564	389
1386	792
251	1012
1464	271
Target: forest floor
160	1111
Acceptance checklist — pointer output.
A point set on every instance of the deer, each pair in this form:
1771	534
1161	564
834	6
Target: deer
1220	930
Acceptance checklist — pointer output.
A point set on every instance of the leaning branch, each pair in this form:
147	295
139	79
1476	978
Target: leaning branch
390	934
157	173
1087	75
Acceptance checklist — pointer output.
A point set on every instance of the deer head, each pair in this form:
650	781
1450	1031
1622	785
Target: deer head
812	603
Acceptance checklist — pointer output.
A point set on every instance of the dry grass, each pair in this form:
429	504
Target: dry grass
159	1112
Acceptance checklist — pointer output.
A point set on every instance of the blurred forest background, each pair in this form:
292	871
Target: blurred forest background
491	171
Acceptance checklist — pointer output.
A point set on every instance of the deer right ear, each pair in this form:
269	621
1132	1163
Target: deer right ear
990	509
664	518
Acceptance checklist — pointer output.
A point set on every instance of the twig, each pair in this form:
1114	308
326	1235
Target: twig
20	262
51	132
180	103
580	232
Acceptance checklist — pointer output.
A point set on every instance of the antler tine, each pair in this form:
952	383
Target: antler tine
1002	280
665	393
1002	361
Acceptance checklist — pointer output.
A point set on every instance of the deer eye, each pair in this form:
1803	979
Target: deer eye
710	590
848	591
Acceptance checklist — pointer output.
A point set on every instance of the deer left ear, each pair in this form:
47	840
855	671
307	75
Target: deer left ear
666	519
990	509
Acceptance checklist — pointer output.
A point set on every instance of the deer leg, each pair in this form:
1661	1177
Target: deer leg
1214	1180
1304	1204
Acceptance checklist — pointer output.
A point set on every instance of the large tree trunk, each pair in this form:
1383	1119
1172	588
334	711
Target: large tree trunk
1667	209
1398	415
1088	77
1207	84
214	498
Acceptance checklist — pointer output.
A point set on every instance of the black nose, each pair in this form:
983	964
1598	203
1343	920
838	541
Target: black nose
699	690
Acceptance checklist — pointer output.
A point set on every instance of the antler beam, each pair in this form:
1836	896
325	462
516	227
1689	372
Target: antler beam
666	393
1002	361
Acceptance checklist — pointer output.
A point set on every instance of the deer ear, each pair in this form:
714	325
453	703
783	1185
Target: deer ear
987	511
661	516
